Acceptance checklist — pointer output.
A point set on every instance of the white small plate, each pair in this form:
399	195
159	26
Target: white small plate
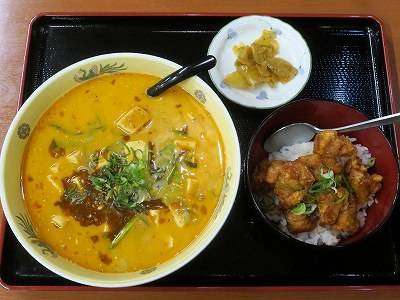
292	47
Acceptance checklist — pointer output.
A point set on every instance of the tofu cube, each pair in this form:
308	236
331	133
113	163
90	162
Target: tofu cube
74	157
59	221
192	187
133	120
186	143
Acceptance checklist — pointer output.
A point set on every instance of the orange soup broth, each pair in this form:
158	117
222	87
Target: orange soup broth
84	120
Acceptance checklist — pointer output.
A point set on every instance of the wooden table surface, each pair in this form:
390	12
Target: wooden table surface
15	16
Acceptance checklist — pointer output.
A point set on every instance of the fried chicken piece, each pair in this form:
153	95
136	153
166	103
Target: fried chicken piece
330	144
332	163
347	221
259	178
363	183
290	180
288	198
300	223
316	161
274	171
292	173
328	206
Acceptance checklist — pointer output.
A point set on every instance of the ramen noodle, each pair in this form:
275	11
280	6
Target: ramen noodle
116	181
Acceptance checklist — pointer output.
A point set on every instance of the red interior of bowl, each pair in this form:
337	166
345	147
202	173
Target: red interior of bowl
329	114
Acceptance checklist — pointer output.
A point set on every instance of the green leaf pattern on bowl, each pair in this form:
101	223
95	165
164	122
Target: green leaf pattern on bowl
200	96
97	70
24	130
148	271
225	192
28	228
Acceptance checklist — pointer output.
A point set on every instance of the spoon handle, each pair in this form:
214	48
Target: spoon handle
385	120
183	73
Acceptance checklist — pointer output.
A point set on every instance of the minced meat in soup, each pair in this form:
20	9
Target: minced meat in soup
117	181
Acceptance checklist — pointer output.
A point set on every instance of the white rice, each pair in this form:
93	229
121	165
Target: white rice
320	235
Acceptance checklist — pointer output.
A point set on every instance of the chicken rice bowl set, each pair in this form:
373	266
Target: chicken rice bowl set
107	186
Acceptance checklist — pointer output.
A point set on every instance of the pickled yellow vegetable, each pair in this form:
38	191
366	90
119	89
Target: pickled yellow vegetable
257	64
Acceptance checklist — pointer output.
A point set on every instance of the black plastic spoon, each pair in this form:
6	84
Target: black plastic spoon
183	73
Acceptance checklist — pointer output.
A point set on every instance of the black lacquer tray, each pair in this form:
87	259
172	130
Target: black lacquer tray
348	65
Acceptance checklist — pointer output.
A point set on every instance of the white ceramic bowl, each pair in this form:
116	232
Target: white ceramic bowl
292	47
26	118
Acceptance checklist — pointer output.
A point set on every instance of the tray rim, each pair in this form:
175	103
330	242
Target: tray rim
284	288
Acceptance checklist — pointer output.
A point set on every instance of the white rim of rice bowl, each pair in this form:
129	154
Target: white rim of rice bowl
247	29
63	267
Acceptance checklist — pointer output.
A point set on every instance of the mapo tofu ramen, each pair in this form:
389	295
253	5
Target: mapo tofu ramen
116	181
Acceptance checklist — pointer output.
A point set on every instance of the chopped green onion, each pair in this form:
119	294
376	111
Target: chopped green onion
74	196
267	202
170	175
64	130
327	175
321	186
327	180
121	234
299	209
343	198
304	209
310	208
191	164
370	162
347	184
168	151
310	198
126	183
